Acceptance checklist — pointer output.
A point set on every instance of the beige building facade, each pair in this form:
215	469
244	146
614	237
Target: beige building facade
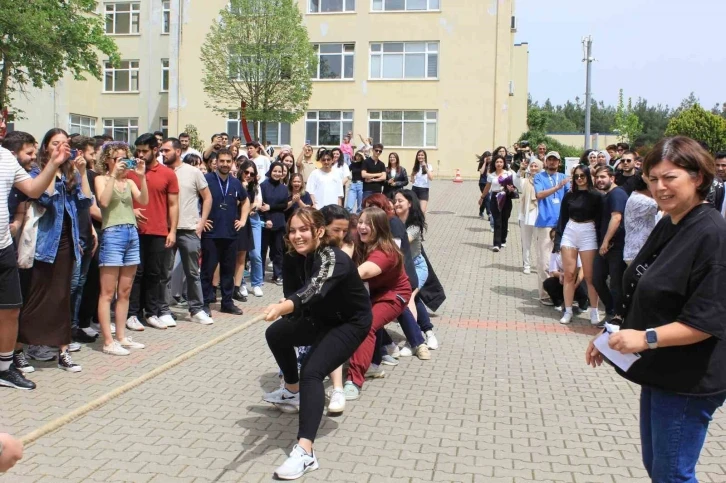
441	75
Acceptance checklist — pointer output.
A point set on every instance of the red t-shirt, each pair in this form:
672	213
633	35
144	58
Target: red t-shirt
160	182
390	282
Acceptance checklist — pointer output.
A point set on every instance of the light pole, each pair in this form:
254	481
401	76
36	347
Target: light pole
587	51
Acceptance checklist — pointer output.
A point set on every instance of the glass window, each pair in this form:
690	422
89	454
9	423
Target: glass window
84	125
164	75
122	129
410	60
327	128
164	126
325	6
278	133
402	5
122	18
165	17
403	129
335	61
124	78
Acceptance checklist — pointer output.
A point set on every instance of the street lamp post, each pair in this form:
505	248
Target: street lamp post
587	51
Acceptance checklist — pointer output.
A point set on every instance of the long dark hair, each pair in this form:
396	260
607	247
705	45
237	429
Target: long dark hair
417	165
252	186
416	216
586	171
493	163
341	158
483	159
496	151
67	168
585	158
398	163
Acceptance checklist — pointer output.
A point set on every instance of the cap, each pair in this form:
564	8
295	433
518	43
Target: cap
553	154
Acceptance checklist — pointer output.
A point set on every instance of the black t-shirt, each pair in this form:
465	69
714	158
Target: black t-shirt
684	283
398	230
84	214
371	166
355	171
614	201
581	205
625	182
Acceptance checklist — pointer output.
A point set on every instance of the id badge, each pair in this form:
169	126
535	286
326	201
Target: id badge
223	206
556	201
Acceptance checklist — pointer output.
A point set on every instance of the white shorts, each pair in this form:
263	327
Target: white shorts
582	236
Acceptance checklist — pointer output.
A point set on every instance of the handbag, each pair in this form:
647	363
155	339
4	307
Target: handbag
28	237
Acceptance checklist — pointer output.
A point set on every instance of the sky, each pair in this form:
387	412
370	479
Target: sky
661	50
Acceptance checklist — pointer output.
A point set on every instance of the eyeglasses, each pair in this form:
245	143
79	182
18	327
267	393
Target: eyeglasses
580	176
251	173
379	151
626	160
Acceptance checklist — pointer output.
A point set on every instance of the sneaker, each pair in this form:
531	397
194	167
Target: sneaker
155	322
559	308
74	347
288	408
115	349
352	392
527	270
406	351
282	396
504	245
180	301
257	291
41	353
238	296
15	379
201	317
422	352
78	335
594	317
495	249
132	323
431	341
337	402
66	363
167	320
90	332
393	350
375	372
389	361
243	290
128	343
566	318
547	302
297	464
278	281
21	363
491	230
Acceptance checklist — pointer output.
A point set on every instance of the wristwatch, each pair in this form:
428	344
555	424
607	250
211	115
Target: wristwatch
651	337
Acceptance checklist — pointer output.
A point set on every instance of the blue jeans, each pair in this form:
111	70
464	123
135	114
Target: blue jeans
256	254
78	281
422	270
423	319
355	196
672	431
119	247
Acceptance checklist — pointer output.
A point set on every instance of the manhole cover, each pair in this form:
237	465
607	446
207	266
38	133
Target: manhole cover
440	212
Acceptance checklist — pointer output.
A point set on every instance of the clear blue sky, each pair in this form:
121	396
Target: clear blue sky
660	50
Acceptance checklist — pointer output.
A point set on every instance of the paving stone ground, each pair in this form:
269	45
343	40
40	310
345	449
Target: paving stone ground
507	398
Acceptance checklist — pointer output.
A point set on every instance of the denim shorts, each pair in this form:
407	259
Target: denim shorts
119	247
422	270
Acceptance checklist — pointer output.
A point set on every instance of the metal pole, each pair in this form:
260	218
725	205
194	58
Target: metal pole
587	45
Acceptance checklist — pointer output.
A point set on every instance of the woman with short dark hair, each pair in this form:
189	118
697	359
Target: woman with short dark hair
674	308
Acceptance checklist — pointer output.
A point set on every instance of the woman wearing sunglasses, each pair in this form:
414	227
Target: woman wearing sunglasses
248	177
577	235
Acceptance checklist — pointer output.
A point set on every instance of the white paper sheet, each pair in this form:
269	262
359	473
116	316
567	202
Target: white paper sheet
623	361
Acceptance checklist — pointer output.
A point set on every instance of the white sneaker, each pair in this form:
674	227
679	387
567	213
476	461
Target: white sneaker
297	464
155	322
527	270
406	351
132	323
375	372
128	342
504	245
431	341
337	402
202	318
282	396
243	290
97	328
495	249
90	332
594	317
257	291
566	318
168	320
393	350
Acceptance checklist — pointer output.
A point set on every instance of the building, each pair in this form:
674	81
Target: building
443	75
598	141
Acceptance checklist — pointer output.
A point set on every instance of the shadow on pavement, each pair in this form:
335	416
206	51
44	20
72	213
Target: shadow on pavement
520	293
478	230
506	268
478	245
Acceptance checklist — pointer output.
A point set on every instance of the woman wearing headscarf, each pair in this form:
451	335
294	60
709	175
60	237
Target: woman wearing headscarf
528	207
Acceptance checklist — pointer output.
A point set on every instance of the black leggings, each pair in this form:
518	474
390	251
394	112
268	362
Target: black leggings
331	347
501	219
274	240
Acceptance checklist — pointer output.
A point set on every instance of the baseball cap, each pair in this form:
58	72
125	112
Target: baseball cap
553	154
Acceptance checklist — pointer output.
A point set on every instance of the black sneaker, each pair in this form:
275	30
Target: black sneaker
237	295
78	335
232	309
277	281
66	363
21	363
15	379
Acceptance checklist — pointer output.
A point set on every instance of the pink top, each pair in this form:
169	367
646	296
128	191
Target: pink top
347	149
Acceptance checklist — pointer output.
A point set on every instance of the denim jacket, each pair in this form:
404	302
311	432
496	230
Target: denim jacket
50	224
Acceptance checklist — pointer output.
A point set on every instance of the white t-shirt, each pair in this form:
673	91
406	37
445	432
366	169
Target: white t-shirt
10	173
263	165
556	262
342	172
421	180
493	178
326	188
191	151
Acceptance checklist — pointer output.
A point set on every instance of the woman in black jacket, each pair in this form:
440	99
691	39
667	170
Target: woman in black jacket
396	176
274	203
337	319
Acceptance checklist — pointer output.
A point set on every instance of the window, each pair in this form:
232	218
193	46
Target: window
401	5
165	17
122	18
325	6
164	75
83	125
405	60
327	128
164	126
122	129
335	61
278	133
124	78
409	129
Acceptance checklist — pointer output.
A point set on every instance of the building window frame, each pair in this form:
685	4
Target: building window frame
322	7
387	54
165	17
384	126
112	12
128	126
84	125
130	68
345	54
379	6
164	126
331	121
164	75
278	133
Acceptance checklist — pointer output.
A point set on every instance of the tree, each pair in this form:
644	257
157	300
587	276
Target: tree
194	140
257	58
627	124
696	123
42	40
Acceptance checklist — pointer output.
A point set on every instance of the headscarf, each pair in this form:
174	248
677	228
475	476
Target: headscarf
268	175
607	157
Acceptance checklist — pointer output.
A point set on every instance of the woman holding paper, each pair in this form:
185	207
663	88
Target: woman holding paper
674	309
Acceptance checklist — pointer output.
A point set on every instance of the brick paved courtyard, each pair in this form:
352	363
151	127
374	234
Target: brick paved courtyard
507	398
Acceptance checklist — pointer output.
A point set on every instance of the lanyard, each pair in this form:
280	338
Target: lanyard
552	181
223	190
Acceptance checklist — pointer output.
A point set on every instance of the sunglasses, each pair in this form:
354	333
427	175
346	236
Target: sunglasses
379	151
626	160
580	176
251	173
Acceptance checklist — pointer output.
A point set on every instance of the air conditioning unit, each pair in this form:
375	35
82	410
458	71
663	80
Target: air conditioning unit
513	25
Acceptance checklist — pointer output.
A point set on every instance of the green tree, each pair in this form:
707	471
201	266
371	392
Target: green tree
257	57
627	124
42	40
701	125
195	141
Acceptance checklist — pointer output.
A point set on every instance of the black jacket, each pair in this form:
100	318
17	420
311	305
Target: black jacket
432	293
399	182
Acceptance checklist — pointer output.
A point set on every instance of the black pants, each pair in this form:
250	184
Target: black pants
222	252
485	204
330	347
152	277
555	290
611	265
501	219
274	241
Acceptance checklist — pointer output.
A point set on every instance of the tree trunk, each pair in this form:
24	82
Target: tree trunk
263	134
